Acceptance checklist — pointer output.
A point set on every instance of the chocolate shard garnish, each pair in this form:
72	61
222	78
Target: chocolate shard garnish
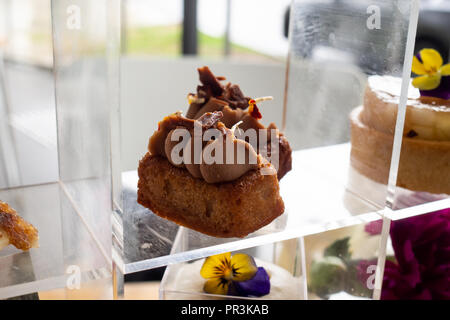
236	107
211	87
208	80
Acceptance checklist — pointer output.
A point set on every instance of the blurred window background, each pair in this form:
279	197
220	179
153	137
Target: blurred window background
247	30
251	30
25	31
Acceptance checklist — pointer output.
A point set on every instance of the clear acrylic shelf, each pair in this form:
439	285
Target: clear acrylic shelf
151	238
320	203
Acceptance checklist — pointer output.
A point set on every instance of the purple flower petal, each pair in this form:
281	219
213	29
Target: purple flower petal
373	228
443	91
422	251
257	286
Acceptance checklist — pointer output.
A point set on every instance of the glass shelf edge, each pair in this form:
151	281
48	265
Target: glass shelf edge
287	234
32	287
52	283
416	210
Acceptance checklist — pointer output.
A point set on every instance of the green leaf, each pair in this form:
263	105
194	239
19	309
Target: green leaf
340	248
327	276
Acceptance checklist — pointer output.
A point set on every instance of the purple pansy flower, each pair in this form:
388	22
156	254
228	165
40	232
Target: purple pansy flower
258	286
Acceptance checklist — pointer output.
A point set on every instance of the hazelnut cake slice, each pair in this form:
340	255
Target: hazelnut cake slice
218	180
218	199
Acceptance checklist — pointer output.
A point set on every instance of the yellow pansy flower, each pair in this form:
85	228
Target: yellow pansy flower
223	269
429	66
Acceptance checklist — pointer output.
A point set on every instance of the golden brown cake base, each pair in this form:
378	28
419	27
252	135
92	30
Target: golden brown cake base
232	209
424	164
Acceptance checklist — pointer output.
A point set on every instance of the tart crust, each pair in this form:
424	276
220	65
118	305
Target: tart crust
424	164
427	116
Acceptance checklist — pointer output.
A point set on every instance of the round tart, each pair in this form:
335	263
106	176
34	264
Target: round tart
425	152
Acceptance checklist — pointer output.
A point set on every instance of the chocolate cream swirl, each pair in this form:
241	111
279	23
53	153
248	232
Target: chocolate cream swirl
210	160
213	96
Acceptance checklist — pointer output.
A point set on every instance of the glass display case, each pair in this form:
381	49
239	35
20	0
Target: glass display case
344	111
341	264
56	158
283	262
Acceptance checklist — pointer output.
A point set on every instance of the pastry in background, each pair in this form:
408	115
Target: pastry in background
425	154
15	230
